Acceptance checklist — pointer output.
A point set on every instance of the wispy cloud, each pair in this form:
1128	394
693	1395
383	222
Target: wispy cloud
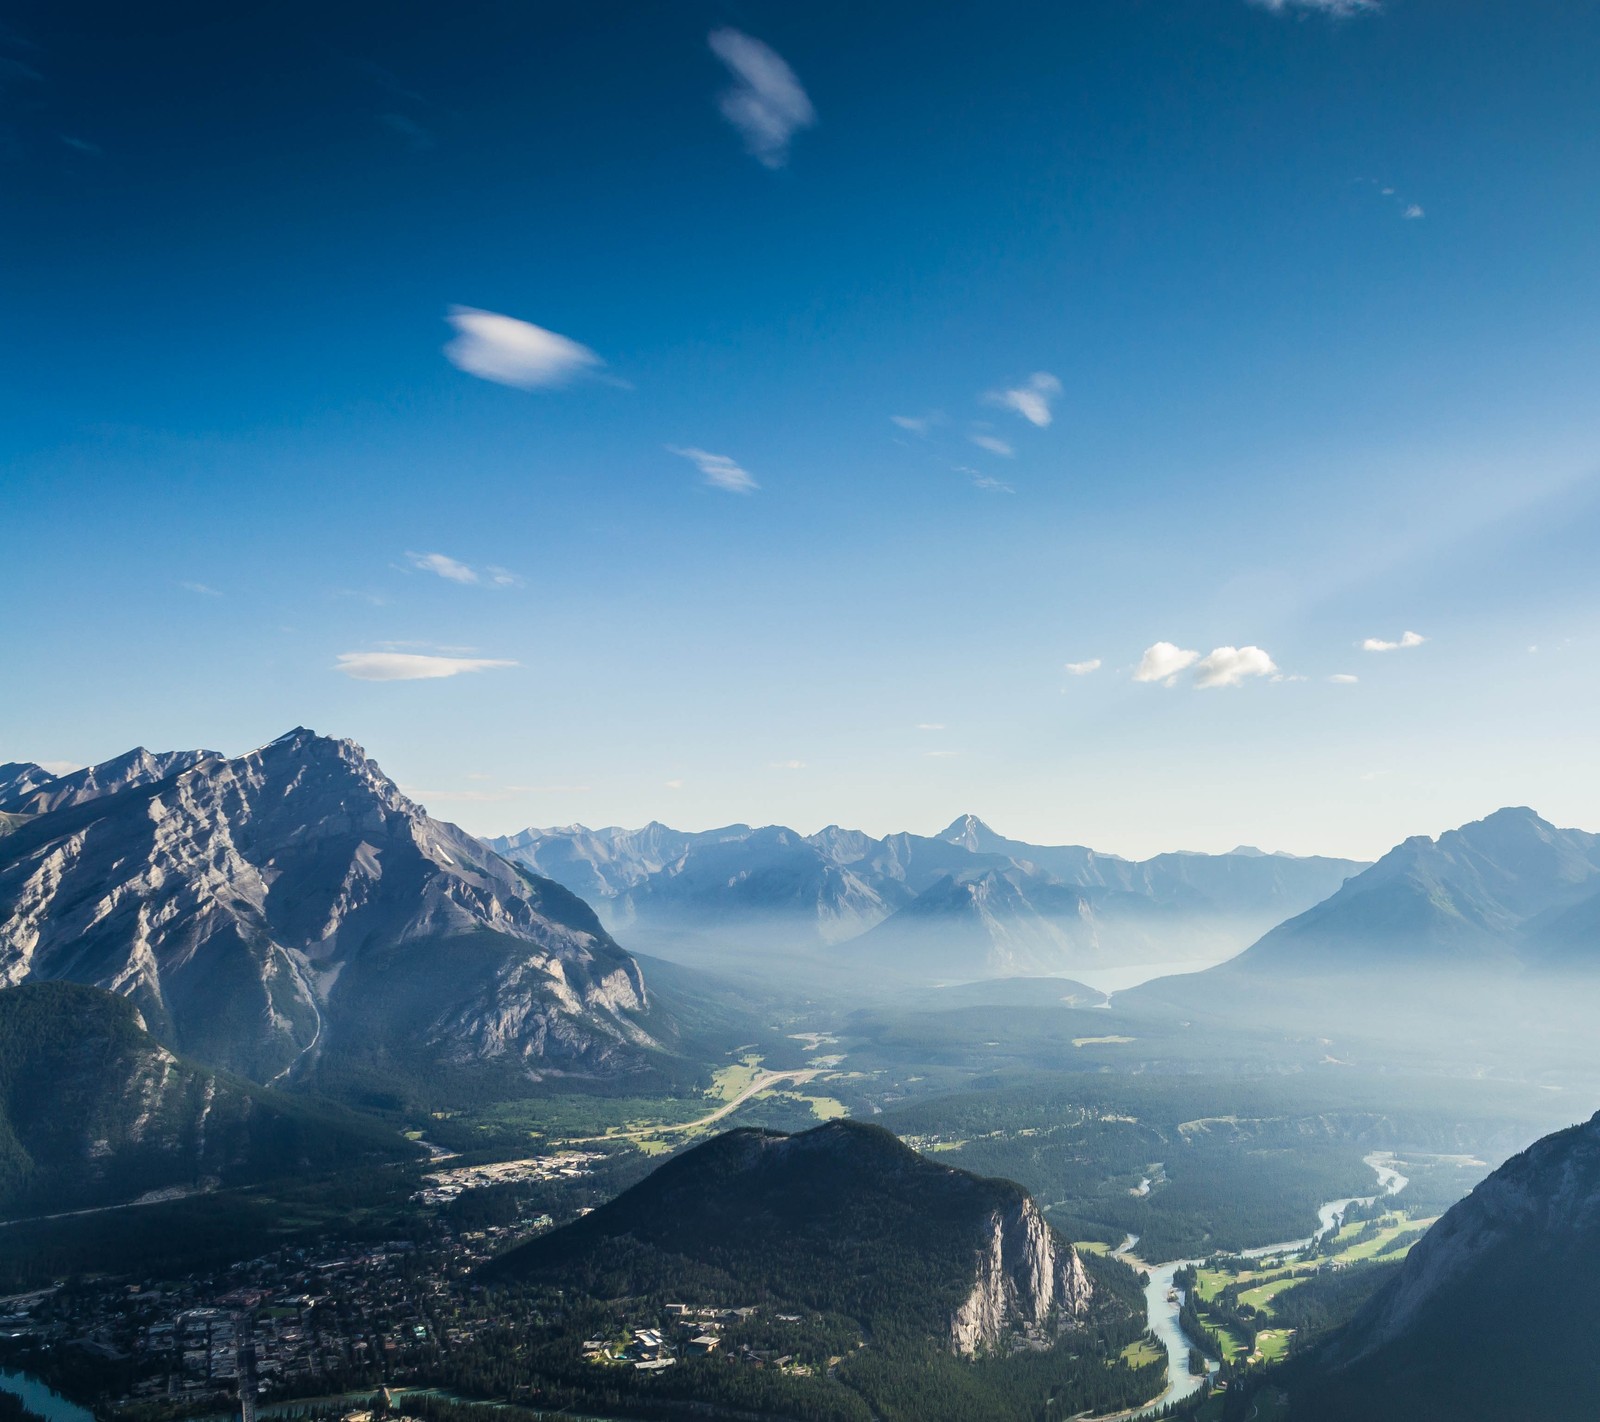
940	754
721	471
930	726
1232	666
1164	661
455	571
1340	9
418	138
673	784
1344	679
60	767
766	103
372	599
1407	639
1084	668
82	145
512	352
1031	399
411	666
200	589
1413	212
993	444
14	70
914	424
986	482
444	566
788	765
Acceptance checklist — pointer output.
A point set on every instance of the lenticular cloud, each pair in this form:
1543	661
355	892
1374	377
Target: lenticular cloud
512	352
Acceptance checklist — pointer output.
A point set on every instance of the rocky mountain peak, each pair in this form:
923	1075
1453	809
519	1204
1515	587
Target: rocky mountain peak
252	906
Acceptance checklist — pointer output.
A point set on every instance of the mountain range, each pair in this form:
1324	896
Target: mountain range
1493	1313
276	909
966	903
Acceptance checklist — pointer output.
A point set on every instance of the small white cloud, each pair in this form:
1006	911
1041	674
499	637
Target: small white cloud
513	352
993	444
1413	212
940	754
766	103
1407	639
1344	679
410	666
930	726
1031	399
443	565
1163	662
60	767
1229	666
201	589
788	765
454	570
1340	9
912	423
82	145
720	471
1083	668
674	784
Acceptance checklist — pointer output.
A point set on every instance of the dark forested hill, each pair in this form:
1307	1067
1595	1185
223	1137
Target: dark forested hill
940	1294
1494	1313
94	1111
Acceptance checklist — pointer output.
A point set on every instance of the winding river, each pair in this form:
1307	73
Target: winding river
1162	1311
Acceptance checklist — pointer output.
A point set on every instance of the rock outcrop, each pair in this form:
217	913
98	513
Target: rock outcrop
1027	1283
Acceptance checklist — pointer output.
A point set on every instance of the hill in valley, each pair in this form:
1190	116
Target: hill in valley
94	1111
1493	1314
850	1229
967	903
291	907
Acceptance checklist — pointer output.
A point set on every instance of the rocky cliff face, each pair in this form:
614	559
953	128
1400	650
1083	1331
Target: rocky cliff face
1027	1283
264	909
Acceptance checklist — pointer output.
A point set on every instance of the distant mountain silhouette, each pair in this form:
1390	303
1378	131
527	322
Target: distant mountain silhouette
966	903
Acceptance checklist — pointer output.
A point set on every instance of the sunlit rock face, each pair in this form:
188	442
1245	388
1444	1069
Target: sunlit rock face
1027	1283
263	909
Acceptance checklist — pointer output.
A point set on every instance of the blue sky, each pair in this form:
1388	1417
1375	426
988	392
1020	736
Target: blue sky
768	412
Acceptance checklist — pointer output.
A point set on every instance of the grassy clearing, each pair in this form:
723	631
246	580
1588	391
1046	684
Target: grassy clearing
826	1108
727	1082
1273	1343
1143	1352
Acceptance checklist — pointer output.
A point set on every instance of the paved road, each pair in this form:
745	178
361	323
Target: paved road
764	1082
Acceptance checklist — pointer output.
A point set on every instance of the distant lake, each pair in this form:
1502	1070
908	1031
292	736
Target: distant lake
36	1397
